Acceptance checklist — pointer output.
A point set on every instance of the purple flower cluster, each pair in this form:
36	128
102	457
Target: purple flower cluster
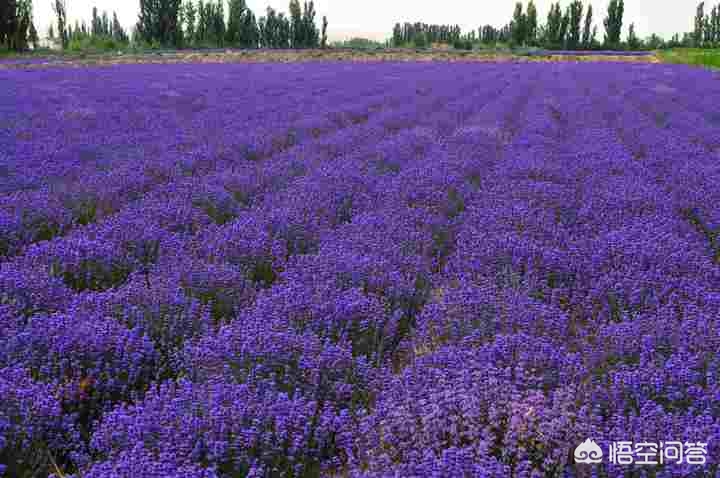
366	270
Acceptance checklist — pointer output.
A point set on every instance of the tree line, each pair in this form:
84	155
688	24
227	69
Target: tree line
182	24
569	28
176	24
707	27
101	32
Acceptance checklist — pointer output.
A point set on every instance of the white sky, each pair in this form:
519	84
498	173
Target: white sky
375	18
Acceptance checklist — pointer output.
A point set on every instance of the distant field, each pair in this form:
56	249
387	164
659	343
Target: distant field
356	269
698	57
337	54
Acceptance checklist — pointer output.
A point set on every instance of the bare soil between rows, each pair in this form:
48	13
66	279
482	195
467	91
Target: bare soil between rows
286	56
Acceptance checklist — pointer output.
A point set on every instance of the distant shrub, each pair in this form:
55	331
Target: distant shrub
97	43
360	43
463	44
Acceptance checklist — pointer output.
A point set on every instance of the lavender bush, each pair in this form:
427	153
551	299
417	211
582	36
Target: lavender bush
365	270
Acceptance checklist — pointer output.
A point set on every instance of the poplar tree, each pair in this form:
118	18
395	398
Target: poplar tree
118	33
554	37
699	24
236	11
61	17
613	23
296	24
575	19
158	21
518	25
531	27
588	26
323	41
189	22
633	41
564	25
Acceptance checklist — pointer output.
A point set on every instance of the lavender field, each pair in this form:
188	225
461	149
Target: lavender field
357	269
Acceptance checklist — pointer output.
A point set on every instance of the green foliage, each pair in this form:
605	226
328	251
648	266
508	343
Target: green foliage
323	38
96	44
564	25
189	19
420	35
654	42
235	21
531	24
554	36
699	24
588	36
463	44
613	23
61	16
275	30
489	35
33	36
359	43
519	25
304	33
159	21
16	24
574	21
102	35
692	56
296	23
633	41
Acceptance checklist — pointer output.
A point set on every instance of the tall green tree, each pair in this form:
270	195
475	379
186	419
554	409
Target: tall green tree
588	27
311	36
236	11
397	37
699	24
531	26
158	21
323	41
8	21
518	25
296	24
16	23
201	34
575	19
190	18
613	23
118	32
219	23
33	35
284	31
564	26
633	41
211	25
251	34
61	18
274	30
105	24
707	32
24	23
95	23
554	37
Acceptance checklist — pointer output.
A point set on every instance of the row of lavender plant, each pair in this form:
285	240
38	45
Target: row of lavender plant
466	273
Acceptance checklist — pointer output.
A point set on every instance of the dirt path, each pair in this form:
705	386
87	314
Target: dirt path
245	56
